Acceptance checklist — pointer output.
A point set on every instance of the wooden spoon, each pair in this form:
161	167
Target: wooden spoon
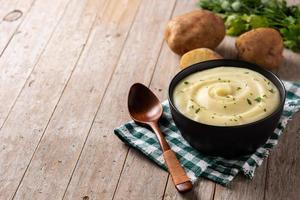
144	107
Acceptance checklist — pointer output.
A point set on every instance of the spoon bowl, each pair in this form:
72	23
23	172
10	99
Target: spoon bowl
143	105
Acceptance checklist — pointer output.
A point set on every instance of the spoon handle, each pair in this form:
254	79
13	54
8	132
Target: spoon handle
179	177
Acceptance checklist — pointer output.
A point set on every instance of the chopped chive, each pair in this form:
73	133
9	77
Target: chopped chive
258	99
235	120
212	117
197	110
249	102
265	96
271	90
238	88
246	72
233	98
240	116
265	110
186	82
225	106
192	100
219	79
268	82
251	93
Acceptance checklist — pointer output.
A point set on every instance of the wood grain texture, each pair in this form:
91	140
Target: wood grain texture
39	68
29	117
20	57
12	14
283	172
290	67
102	158
244	188
55	158
203	190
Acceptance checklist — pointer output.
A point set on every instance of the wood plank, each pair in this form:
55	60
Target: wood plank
283	172
243	188
136	171
20	57
12	14
203	189
227	48
29	117
135	175
290	68
55	158
100	164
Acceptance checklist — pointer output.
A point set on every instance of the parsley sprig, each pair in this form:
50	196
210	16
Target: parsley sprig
243	15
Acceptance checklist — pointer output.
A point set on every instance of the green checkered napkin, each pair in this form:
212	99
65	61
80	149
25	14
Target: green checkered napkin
196	165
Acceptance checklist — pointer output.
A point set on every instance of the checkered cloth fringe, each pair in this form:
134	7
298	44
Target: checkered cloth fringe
196	165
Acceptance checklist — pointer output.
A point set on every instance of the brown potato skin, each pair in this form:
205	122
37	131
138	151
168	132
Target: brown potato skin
198	55
263	46
196	29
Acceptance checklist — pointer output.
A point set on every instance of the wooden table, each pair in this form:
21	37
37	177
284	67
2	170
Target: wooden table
65	70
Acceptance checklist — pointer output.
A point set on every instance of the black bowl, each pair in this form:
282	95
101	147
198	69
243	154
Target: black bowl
226	141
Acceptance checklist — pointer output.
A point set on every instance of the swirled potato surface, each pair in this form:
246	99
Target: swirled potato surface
226	96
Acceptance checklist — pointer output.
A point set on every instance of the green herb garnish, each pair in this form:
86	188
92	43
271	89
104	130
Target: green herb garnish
243	15
258	99
225	106
249	102
186	82
265	110
271	90
238	88
197	110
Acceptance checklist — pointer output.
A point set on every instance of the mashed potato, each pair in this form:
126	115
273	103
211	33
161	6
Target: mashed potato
226	96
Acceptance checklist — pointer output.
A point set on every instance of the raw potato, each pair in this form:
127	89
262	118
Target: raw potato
262	46
196	29
198	55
